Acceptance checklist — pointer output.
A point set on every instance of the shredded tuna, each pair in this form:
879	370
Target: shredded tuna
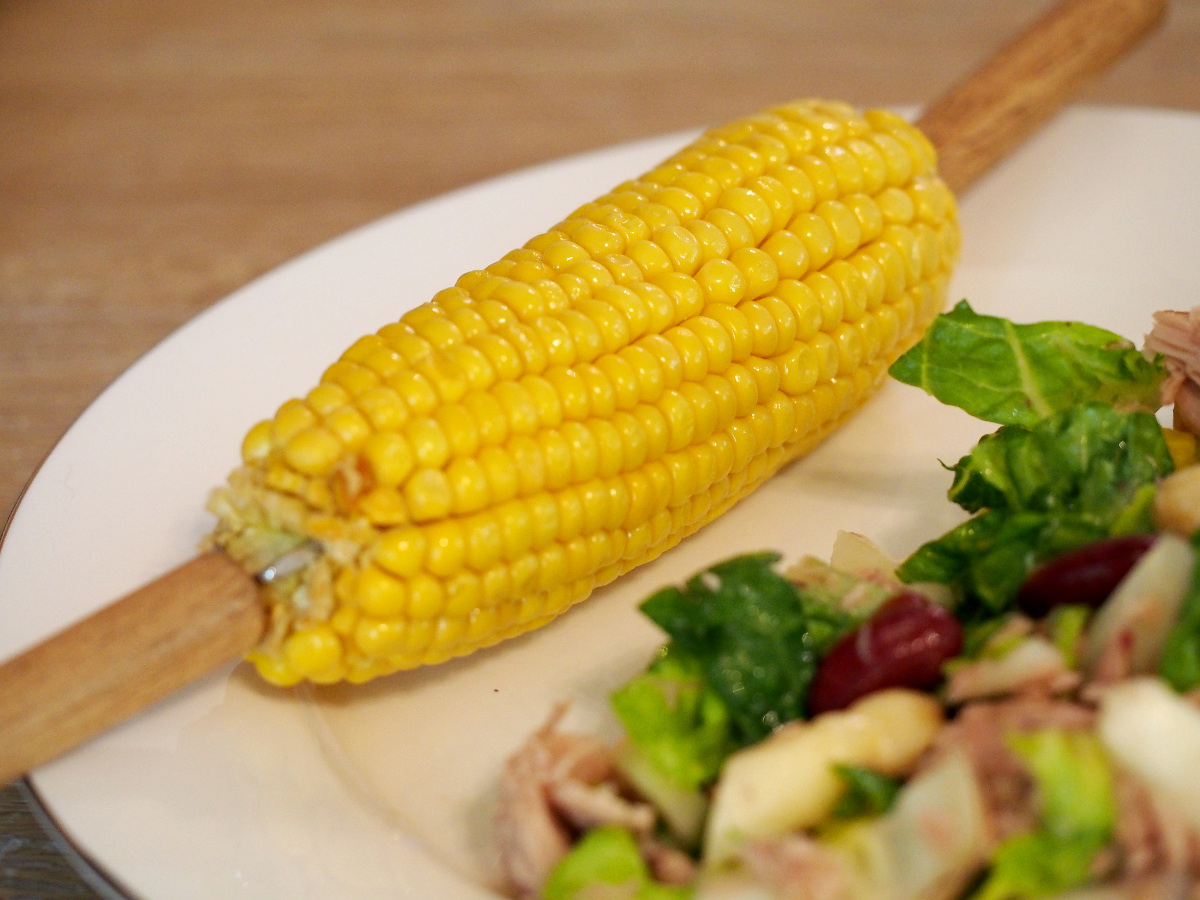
1186	416
1154	887
1005	786
667	864
1033	665
531	832
798	868
1151	837
1113	664
1176	335
587	806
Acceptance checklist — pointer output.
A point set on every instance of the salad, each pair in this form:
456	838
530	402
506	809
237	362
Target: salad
1011	711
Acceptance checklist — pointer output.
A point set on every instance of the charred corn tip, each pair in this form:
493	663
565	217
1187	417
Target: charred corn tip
581	405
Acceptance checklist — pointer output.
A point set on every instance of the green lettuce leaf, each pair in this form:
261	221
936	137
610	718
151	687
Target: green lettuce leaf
1014	374
1081	475
1074	782
1089	459
606	865
756	636
679	724
868	793
988	557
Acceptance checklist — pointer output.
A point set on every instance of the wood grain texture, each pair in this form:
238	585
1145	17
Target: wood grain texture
979	122
159	155
146	646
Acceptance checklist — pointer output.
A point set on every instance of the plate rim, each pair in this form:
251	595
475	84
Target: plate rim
93	872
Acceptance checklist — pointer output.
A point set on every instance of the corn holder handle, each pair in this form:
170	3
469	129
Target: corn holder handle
206	613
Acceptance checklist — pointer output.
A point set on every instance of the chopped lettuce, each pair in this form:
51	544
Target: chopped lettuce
756	636
1089	459
678	723
1065	626
868	793
1180	663
987	558
1018	374
1039	491
1074	782
607	865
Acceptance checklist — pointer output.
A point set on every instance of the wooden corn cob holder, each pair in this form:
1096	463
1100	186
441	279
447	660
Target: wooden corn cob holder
207	612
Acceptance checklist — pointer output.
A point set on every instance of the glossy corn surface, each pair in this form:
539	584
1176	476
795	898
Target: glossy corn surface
578	407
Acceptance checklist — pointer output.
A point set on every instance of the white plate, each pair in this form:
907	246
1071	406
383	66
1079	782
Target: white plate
235	790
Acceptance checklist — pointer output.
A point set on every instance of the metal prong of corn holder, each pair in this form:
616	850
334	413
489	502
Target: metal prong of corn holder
291	562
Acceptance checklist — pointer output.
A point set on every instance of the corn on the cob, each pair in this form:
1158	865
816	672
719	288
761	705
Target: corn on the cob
584	403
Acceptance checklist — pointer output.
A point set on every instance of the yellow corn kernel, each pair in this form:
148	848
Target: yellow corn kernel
555	456
712	240
778	198
610	324
257	445
1182	446
652	259
610	447
543	514
738	230
586	337
401	551
349	426
312	451
389	457
818	238
428	495
656	215
633	307
379	593
734	323
597	240
292	417
758	271
378	637
673	298
725	401
554	341
821	174
713	347
584	402
722	281
381	506
767	376
621	269
681	201
585	456
691	351
445	548
789	252
722	170
798	185
634	440
666	361
742	389
425	597
602	396
313	650
629	227
325	398
752	208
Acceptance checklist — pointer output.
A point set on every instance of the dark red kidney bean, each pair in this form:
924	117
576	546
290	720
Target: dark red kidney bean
904	644
1085	576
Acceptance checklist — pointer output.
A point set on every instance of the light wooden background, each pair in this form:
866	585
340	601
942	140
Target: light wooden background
155	155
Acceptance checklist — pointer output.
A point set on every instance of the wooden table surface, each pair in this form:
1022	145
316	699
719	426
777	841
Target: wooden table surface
155	155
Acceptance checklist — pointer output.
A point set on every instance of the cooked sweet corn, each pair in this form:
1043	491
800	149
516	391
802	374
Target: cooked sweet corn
584	403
